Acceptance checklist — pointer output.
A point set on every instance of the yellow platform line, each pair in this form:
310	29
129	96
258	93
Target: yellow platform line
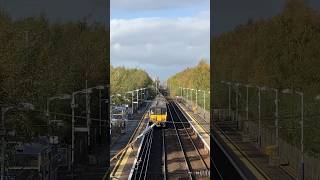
256	171
125	155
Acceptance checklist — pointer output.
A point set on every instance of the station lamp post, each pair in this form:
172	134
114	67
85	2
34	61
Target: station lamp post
229	99
191	90
100	114
73	106
183	92
247	101
138	90
143	93
186	90
204	100
131	92
197	97
100	88
259	115
139	94
187	93
237	103
276	114
259	109
4	110
57	97
199	90
290	91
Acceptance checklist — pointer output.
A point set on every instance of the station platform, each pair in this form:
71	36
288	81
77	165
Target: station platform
122	166
199	124
251	157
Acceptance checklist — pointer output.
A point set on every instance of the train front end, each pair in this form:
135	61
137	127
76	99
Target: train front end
158	112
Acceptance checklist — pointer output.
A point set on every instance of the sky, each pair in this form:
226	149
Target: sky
226	14
162	37
59	10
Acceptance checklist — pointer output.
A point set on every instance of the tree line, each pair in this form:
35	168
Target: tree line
280	52
197	78
124	79
40	59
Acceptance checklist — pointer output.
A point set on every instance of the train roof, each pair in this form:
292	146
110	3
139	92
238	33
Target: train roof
159	101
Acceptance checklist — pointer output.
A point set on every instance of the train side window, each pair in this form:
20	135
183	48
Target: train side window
151	111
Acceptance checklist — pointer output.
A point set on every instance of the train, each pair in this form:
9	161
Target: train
158	111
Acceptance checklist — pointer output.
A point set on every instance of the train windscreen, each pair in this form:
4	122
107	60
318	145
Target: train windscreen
158	110
163	111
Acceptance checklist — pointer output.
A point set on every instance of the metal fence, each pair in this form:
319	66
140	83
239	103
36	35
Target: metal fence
244	107
203	116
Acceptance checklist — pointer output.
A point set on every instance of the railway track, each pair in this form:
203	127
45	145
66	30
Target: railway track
172	152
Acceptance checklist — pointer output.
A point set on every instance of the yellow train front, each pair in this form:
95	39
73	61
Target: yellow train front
158	112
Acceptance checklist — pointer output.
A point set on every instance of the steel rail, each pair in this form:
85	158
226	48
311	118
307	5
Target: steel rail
136	158
144	155
164	155
187	116
184	153
148	154
205	129
191	140
142	158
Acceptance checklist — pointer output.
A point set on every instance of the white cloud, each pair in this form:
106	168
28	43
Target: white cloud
154	4
160	42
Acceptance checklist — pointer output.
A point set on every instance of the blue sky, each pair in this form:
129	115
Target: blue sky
161	37
168	12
